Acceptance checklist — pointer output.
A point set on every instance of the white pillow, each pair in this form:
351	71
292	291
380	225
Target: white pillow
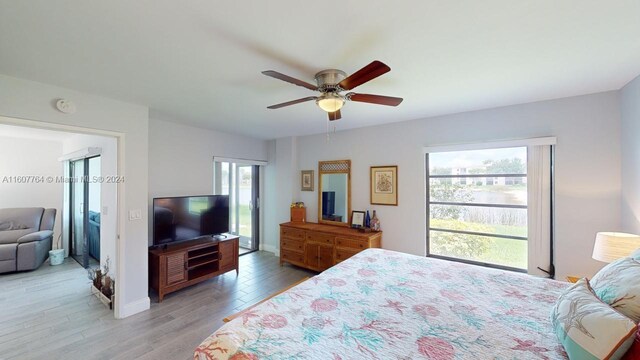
618	284
635	255
589	328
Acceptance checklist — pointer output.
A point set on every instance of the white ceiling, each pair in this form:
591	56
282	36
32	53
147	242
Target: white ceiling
199	62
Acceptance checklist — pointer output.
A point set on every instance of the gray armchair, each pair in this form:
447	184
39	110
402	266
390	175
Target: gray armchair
26	235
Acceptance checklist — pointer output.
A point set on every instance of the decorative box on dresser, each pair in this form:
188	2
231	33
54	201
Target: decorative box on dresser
318	246
190	262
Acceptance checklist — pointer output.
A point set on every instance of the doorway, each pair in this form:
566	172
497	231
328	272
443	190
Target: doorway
48	149
242	183
84	190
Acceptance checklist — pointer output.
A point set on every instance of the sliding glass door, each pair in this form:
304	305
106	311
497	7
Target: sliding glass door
84	208
78	250
246	209
241	183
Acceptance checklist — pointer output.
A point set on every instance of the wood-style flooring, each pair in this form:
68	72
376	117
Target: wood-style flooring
50	313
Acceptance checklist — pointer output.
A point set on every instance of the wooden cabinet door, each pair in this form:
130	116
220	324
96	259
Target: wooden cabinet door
175	266
325	257
311	255
228	254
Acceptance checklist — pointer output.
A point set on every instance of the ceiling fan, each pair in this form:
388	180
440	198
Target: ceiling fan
332	82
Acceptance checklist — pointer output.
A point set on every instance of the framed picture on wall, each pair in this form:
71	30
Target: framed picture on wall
306	180
384	185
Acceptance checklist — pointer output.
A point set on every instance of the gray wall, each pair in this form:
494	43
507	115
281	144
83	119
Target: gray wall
630	114
181	157
21	157
282	182
587	175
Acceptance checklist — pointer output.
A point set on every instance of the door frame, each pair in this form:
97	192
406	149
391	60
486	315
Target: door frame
120	292
255	206
258	185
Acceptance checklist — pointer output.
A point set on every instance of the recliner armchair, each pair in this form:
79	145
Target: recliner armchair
26	235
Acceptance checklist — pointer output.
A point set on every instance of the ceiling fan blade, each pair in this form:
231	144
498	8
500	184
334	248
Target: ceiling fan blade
292	102
289	79
335	115
367	73
374	99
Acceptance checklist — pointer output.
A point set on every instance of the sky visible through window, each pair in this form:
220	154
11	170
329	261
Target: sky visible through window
475	158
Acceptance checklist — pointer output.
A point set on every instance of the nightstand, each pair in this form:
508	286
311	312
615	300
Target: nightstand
573	279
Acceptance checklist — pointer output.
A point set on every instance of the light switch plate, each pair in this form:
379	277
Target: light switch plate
135	214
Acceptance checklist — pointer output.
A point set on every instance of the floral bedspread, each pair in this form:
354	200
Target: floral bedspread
383	305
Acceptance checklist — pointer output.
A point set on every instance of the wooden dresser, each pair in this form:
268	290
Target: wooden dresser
318	247
188	263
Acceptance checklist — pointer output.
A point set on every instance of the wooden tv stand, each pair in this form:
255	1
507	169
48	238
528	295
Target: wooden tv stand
190	262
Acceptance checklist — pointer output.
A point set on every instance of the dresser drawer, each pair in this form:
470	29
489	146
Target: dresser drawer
293	245
292	233
292	256
351	243
320	237
342	254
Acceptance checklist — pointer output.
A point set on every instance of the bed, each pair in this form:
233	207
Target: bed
381	304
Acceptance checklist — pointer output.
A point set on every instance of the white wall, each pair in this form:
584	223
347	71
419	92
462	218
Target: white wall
630	116
95	187
21	157
282	183
271	232
587	168
108	190
181	157
30	100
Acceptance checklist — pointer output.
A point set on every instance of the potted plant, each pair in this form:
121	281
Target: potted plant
56	256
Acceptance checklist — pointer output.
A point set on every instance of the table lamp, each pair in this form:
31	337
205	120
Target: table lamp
610	246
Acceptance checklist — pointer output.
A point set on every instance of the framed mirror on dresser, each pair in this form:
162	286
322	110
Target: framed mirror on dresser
334	192
318	246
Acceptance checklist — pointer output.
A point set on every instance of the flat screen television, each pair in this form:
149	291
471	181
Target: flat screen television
189	217
328	203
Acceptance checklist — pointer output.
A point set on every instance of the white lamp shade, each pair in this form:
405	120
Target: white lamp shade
610	246
330	102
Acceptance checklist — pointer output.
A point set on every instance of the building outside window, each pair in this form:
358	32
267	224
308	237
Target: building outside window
477	206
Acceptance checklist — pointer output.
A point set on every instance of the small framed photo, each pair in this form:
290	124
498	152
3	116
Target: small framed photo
306	180
384	185
357	219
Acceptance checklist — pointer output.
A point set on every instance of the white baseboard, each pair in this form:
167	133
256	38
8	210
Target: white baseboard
270	248
134	307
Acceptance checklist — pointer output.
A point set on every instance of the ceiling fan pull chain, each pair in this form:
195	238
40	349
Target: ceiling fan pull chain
328	135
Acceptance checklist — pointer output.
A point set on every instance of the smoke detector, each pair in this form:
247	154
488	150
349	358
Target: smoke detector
66	106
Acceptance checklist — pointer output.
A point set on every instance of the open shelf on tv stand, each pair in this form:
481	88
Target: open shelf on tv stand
183	264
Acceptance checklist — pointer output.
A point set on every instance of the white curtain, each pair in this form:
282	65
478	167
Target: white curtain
539	209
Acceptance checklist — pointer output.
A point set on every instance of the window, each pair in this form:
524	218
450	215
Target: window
477	206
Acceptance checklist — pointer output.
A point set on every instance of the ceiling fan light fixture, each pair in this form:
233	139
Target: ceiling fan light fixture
330	102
